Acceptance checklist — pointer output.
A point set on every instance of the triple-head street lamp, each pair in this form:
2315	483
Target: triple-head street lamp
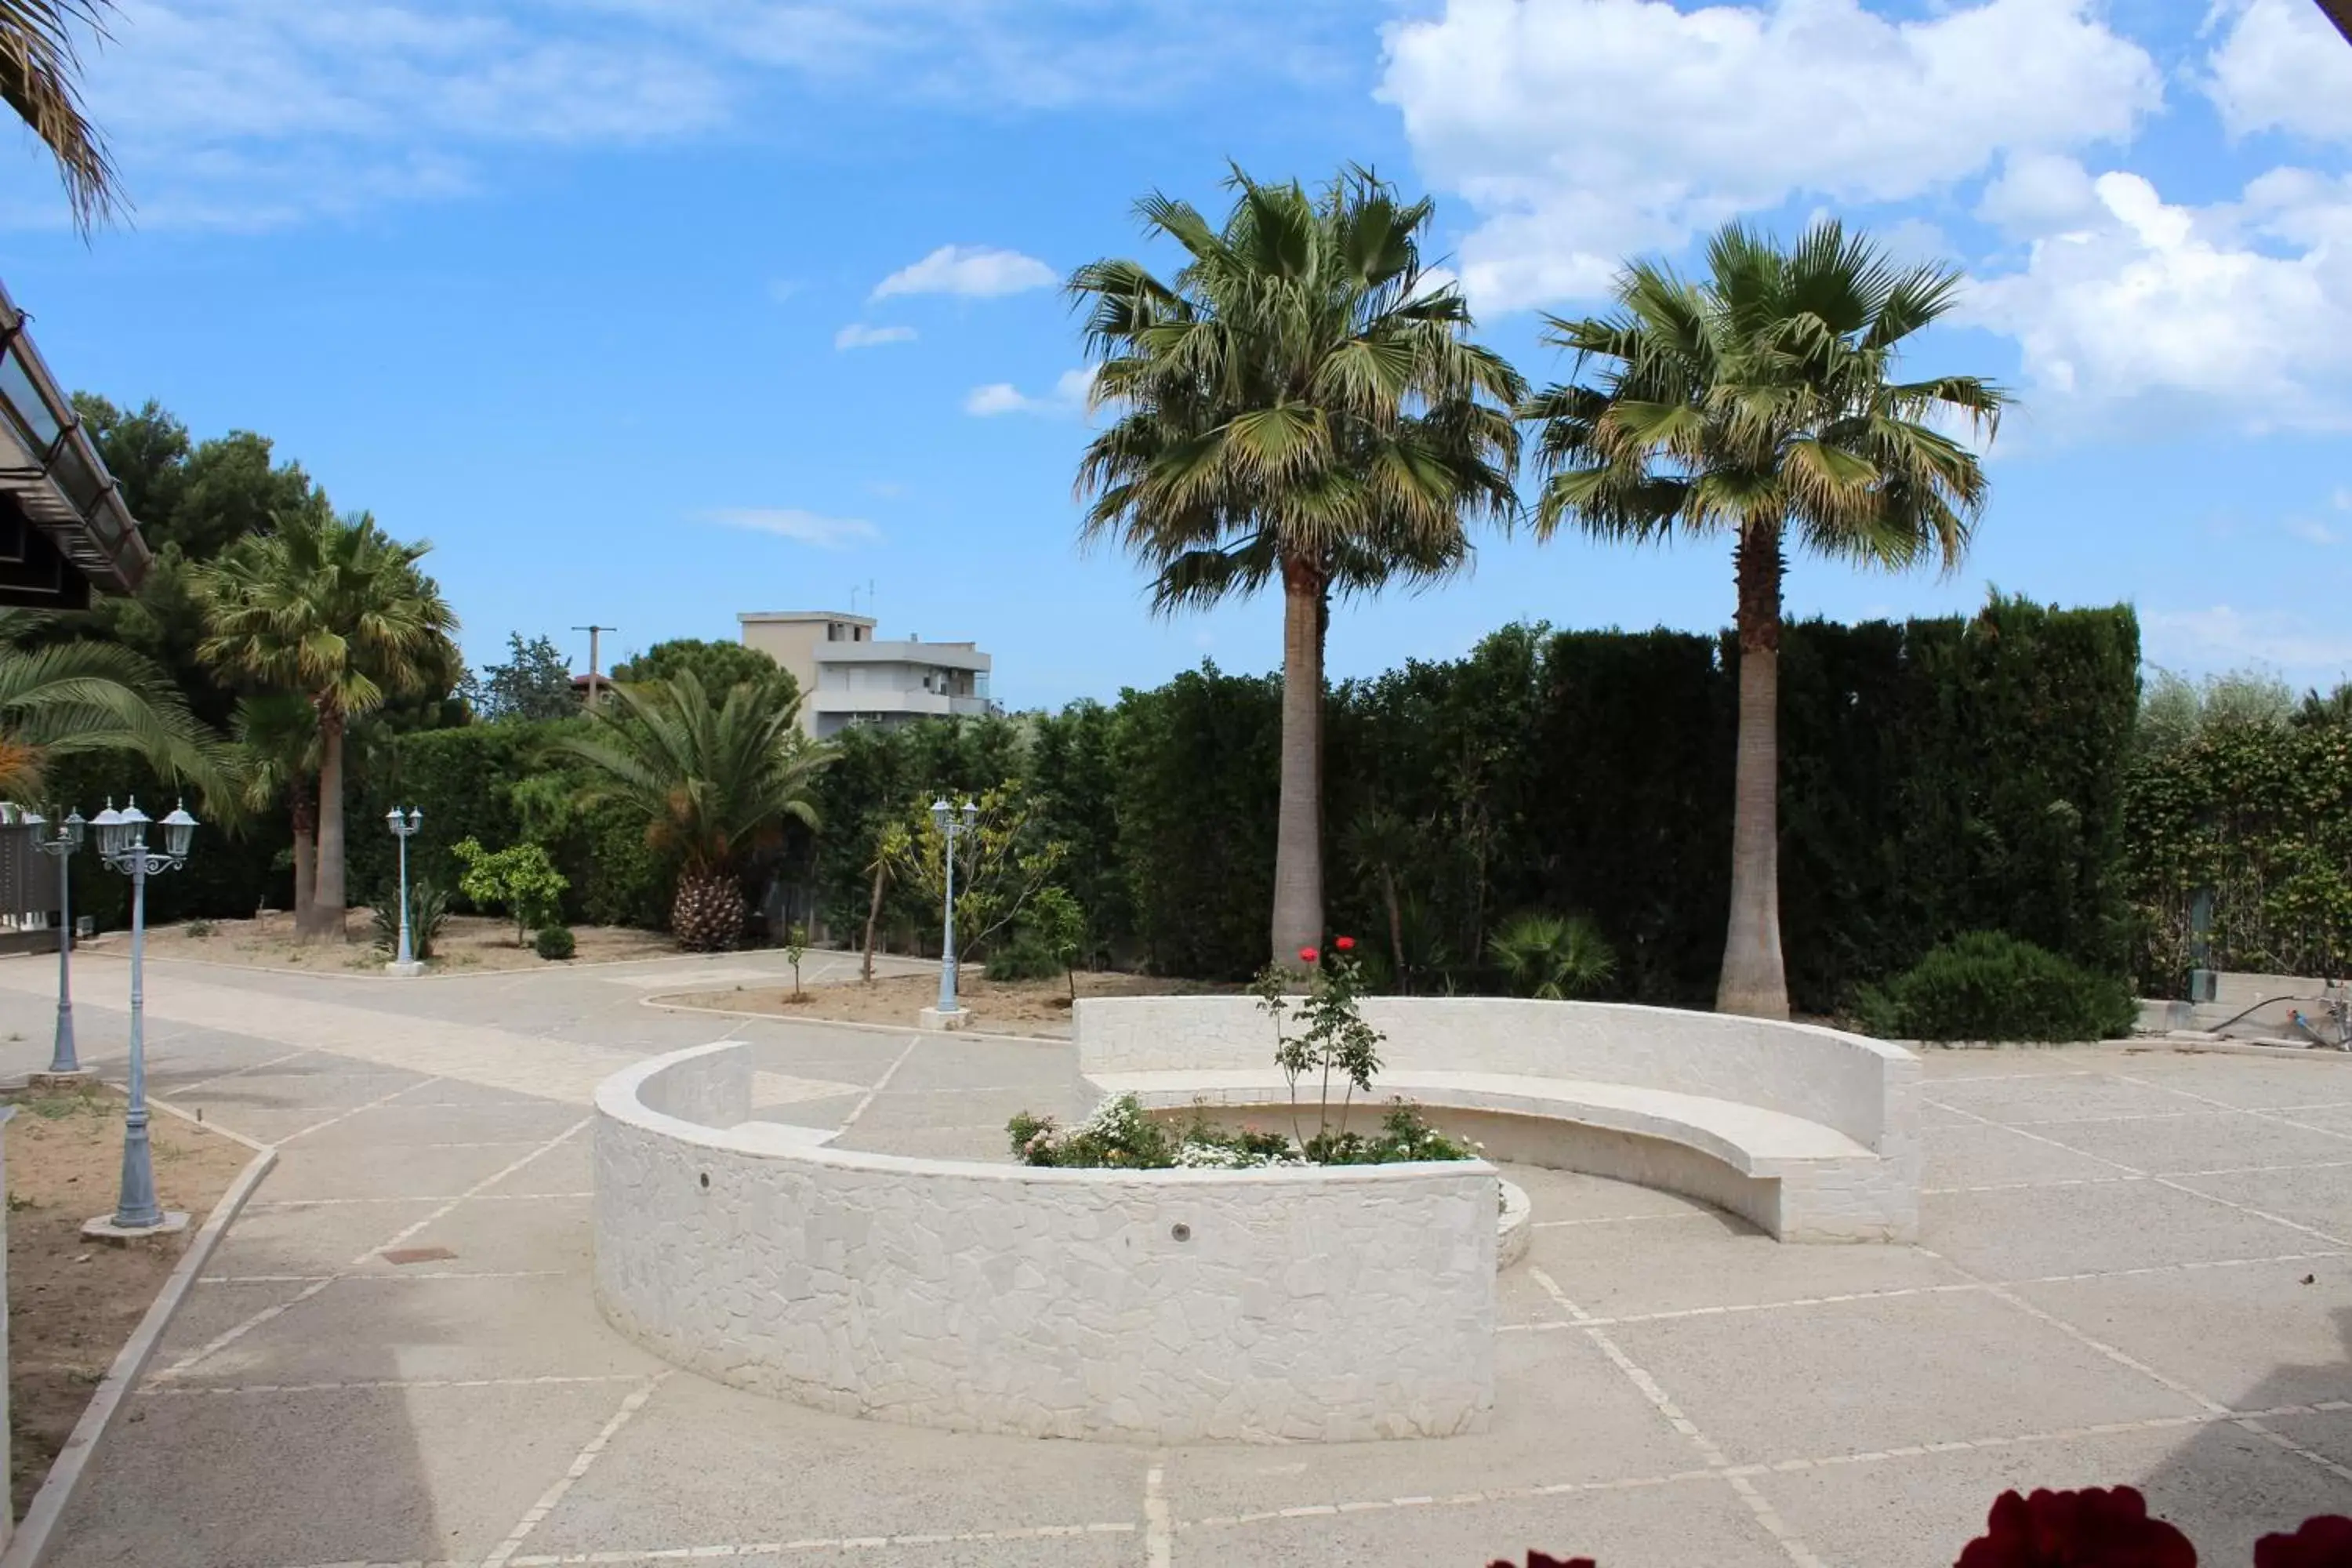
404	829
951	820
61	845
122	845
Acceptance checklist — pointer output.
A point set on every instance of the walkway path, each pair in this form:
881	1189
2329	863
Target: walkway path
2138	1267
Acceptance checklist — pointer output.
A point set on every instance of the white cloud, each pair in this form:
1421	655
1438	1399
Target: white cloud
1582	130
977	272
1069	396
2242	309
801	526
2311	530
857	335
2281	65
2223	636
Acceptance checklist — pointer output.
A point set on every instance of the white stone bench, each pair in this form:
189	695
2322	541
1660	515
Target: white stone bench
1809	1133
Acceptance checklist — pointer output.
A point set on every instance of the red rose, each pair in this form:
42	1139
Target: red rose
2088	1528
1309	956
1346	944
1543	1560
2324	1542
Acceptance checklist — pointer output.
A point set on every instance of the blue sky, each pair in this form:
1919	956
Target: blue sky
648	311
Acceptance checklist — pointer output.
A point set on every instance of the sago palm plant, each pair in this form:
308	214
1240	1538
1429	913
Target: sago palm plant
715	781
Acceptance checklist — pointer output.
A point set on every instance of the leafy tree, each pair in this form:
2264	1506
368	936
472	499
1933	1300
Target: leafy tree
718	665
1760	402
520	879
336	610
715	780
1060	926
1301	403
1003	863
2175	710
40	77
68	698
534	683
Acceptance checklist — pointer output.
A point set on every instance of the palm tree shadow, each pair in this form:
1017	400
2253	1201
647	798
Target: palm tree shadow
2232	1481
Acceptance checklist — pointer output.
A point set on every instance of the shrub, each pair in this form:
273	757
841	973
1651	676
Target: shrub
555	942
428	911
199	928
1120	1135
1022	956
520	876
1986	985
1554	956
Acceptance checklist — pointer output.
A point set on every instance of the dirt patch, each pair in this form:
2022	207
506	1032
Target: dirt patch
1040	1007
72	1303
468	943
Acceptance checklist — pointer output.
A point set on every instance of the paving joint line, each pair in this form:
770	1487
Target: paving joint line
221	1390
355	1110
880	1085
1760	1507
580	1465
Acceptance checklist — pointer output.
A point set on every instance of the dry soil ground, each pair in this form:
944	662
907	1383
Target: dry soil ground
72	1303
1006	1007
468	943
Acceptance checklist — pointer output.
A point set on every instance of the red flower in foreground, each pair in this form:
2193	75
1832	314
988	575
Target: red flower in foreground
1346	944
2094	1528
1543	1560
1308	955
2325	1541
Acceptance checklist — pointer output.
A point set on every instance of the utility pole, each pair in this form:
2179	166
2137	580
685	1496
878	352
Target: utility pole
593	632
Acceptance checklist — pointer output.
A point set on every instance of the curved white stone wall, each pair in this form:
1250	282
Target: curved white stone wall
1170	1306
1483	1054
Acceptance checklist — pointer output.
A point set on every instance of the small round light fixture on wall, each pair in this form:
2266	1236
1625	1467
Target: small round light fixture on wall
1181	1231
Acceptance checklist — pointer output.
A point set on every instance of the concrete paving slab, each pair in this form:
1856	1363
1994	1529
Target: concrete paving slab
1566	1199
2222	1485
353	1475
894	1110
525	1122
2249	1337
1546	1386
1620	1270
705	1463
2015	1102
567	1168
2031	1232
2212	1140
2250	1083
322	1092
1972	1155
930	1144
2326	1433
546	1233
437	1329
966	1063
2336	1119
1694	1521
1942	1062
1861	1377
2318	1198
273	1237
829	1113
211	1309
310	1169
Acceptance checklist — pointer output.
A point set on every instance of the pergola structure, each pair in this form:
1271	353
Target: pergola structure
65	531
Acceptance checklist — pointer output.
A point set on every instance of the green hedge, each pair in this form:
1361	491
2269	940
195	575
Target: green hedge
1986	986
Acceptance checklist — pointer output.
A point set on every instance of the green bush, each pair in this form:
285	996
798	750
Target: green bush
428	912
1986	985
520	876
555	942
1023	955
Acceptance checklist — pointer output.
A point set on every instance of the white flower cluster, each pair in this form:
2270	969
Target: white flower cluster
1191	1156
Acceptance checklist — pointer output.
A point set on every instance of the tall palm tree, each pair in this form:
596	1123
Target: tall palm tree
278	747
715	779
336	610
1760	402
40	78
65	699
1301	403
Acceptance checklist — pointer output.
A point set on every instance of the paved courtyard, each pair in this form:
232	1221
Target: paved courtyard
2137	1267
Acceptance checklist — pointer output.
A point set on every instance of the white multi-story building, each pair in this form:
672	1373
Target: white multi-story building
848	676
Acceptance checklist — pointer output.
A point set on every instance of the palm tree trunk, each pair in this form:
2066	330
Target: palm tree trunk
874	916
1396	925
305	812
327	897
1298	832
1754	981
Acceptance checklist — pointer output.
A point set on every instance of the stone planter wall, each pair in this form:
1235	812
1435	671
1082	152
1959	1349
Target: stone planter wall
1170	1306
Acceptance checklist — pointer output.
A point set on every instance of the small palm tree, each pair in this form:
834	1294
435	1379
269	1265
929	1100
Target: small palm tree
1554	956
1761	403
277	736
1300	404
66	698
715	781
335	610
40	77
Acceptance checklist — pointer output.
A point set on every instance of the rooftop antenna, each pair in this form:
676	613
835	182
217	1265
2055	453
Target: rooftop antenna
869	597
